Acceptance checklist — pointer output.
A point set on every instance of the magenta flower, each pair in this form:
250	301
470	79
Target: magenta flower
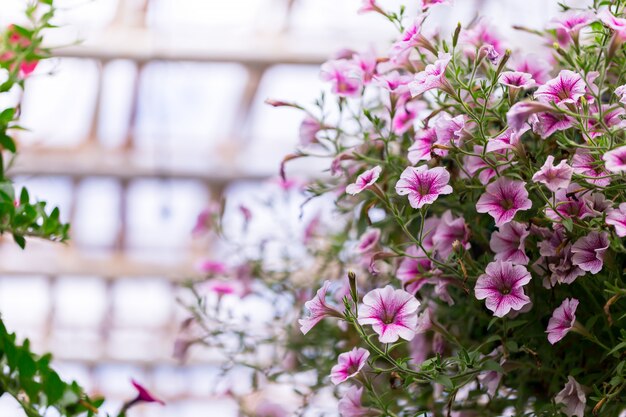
413	270
567	88
318	309
427	4
348	365
392	313
411	38
422	149
508	243
369	6
450	230
143	396
368	240
546	124
394	82
502	199
308	130
478	35
344	76
573	398
615	23
365	180
615	160
502	286
516	79
423	185
554	177
617	218
569	203
562	320
433	76
350	404
450	130
476	164
589	251
584	163
621	93
537	67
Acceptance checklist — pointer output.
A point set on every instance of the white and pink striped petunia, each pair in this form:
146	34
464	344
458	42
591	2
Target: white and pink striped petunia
392	313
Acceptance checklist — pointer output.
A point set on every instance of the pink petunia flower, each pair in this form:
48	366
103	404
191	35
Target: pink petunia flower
589	251
350	405
621	93
508	243
567	88
615	160
423	185
411	38
476	164
502	199
211	267
569	203
369	6
348	365
392	313
394	82
406	113
318	309
222	287
615	23
573	398
143	396
554	176
562	320
584	163
546	124
368	240
450	230
617	218
509	139
516	79
365	180
433	76
344	76
413	270
520	112
478	35
422	149
502	286
538	68
571	22
450	130
308	130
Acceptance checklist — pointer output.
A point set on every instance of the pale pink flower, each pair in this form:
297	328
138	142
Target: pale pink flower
423	185
520	112
589	251
433	77
562	320
546	124
308	130
406	113
480	34
365	180
394	82
615	160
427	4
366	63
615	23
556	258
573	398
569	203
502	199
554	176
204	221
414	269
567	88
348	365
621	93
450	230
571	22
508	243
584	163
368	240
517	79
475	164
209	266
392	313
422	149
502	286
537	67
222	287
369	6
617	218
411	38
450	130
270	409
510	139
318	309
350	404
344	76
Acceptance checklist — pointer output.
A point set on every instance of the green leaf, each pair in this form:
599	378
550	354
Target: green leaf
7	116
445	381
491	365
53	387
7	142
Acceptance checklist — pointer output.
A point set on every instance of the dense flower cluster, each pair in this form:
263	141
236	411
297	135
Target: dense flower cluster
483	196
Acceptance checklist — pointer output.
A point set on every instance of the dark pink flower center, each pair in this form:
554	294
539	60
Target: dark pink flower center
507	203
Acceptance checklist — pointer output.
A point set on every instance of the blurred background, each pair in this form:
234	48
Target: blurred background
149	110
